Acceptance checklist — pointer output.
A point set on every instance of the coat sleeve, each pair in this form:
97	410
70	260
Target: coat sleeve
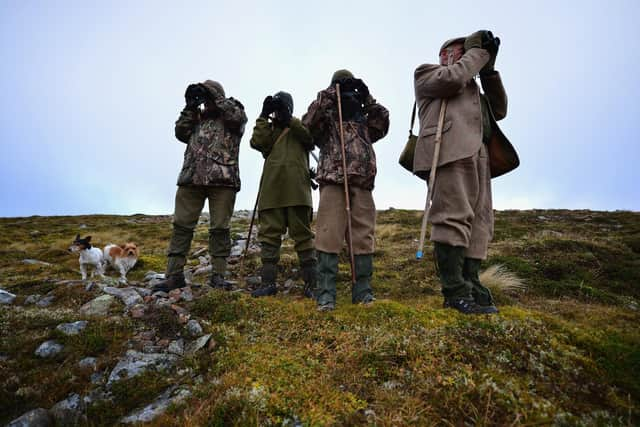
185	124
263	137
377	120
232	113
317	118
301	134
495	93
441	81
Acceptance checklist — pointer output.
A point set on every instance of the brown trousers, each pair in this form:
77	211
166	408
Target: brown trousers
462	211
331	223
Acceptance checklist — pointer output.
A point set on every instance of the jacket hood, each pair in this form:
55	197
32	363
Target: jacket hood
214	88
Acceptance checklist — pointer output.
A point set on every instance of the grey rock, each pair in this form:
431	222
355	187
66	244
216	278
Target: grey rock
83	226
203	260
186	294
35	418
90	286
202	270
238	248
32	299
162	294
67	412
152	275
49	349
30	261
194	328
128	296
176	347
6	297
254	281
135	363
46	301
96	395
157	407
198	252
97	378
88	363
73	328
98	306
144	292
199	344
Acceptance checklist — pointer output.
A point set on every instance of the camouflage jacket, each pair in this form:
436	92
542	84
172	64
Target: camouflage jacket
211	156
322	121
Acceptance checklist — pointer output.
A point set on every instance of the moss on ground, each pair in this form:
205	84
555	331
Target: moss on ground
566	351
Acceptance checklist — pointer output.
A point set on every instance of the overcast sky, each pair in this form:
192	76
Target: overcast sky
90	93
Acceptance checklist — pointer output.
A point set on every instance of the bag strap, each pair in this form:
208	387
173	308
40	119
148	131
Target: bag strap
413	118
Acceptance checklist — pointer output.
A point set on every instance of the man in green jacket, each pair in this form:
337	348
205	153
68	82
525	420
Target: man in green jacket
211	125
285	190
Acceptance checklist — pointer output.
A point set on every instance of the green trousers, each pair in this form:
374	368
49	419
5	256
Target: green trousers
188	207
275	222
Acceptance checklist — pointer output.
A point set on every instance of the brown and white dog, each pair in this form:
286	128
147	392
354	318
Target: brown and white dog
121	258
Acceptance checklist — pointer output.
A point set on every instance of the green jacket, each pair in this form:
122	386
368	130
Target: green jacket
285	177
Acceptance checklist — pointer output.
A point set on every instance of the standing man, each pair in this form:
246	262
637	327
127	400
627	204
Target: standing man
211	125
285	190
364	122
473	150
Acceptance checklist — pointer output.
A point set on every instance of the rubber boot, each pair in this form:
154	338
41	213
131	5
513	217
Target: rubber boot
173	281
216	280
361	292
269	275
326	284
309	269
456	290
481	294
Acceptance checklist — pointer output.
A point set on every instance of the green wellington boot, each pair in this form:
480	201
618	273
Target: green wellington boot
481	294
326	284
361	292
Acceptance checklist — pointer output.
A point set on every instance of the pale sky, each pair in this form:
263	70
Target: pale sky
90	92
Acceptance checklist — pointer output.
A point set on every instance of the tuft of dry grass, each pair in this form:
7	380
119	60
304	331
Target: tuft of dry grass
498	277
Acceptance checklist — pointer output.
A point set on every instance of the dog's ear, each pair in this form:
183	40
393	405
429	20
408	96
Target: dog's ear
122	246
77	237
88	238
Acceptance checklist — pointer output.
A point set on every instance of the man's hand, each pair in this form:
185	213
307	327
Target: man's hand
194	96
268	107
491	44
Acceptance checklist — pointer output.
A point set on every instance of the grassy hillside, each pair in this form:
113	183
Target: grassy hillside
564	351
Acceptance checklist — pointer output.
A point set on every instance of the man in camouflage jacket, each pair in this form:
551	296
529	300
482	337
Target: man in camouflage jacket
285	190
364	122
211	125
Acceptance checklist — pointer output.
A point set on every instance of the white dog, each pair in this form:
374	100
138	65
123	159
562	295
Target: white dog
88	256
121	258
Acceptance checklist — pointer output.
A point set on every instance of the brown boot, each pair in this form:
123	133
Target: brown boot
174	281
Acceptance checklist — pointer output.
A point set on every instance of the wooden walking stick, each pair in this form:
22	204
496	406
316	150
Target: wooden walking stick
434	165
346	189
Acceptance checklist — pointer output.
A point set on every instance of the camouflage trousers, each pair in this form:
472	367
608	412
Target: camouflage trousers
461	211
188	207
275	222
331	223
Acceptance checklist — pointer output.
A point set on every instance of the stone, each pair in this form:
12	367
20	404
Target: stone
162	294
128	296
187	294
203	270
67	412
255	281
144	292
152	275
290	283
175	293
98	306
203	260
97	378
48	349
194	328
178	309
46	301
30	261
199	251
176	347
90	286
88	363
183	318
35	418
135	363
32	299
72	328
137	311
6	297
199	344
157	407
